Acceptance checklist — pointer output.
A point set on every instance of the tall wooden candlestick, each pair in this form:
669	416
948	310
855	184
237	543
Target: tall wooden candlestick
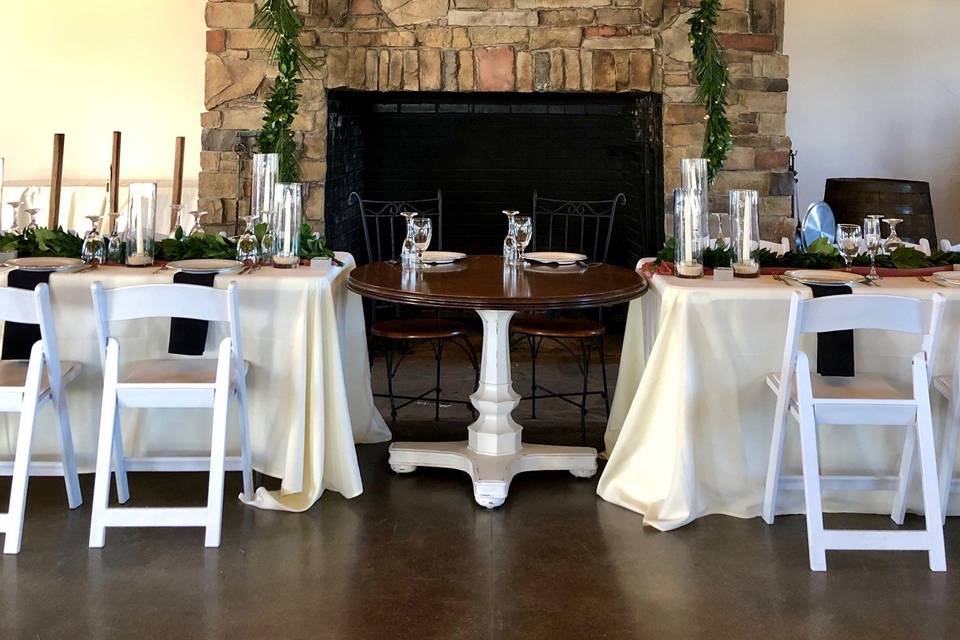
178	170
114	179
56	181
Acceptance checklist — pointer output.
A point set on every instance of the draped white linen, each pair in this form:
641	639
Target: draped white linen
691	418
310	399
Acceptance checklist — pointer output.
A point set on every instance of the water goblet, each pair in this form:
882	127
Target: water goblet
408	250
94	248
523	232
176	214
248	249
198	231
893	241
115	245
510	241
422	234
267	241
849	237
874	241
14	223
32	212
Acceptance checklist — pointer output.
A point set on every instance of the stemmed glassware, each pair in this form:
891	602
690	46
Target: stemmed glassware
849	237
176	214
115	246
32	212
267	241
874	242
422	234
510	241
198	231
14	223
523	232
94	249
893	241
248	249
408	251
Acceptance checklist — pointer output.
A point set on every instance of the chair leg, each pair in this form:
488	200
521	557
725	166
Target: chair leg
67	456
21	461
438	356
948	456
811	484
105	448
246	465
119	461
585	350
603	371
899	509
928	470
218	445
388	358
772	486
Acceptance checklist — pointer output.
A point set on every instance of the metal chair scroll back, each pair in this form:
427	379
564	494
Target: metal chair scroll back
383	226
584	226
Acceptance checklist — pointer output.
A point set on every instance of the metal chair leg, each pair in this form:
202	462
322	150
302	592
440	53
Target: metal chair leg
438	356
388	356
585	349
603	371
534	352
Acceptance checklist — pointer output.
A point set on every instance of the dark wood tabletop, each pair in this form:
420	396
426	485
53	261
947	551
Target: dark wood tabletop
482	282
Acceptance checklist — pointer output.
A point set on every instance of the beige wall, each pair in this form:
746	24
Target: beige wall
874	92
86	68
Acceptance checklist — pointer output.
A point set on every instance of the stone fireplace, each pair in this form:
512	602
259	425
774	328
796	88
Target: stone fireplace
506	52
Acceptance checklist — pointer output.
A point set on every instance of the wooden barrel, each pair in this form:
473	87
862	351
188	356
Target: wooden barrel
852	199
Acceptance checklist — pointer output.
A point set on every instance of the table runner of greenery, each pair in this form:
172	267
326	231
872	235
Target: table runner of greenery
820	255
61	244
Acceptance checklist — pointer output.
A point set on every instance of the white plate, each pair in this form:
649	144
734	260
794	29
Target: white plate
560	257
564	268
948	277
45	264
205	266
442	257
824	277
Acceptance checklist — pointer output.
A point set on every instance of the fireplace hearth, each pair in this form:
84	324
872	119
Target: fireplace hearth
489	152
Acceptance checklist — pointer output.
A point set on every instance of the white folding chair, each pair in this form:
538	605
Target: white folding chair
945	386
865	399
168	383
946	245
24	386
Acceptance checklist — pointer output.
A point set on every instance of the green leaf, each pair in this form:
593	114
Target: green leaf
909	258
822	246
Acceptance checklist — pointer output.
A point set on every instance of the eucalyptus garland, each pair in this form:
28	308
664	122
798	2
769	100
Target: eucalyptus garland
281	25
712	76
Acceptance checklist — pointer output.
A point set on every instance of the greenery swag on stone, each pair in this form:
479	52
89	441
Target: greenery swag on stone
282	25
712	76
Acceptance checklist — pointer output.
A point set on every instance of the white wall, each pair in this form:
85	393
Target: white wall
875	92
88	67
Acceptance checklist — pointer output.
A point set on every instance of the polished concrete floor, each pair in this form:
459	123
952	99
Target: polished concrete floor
414	557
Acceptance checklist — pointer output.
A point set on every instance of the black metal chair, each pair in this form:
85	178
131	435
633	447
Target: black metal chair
584	226
383	231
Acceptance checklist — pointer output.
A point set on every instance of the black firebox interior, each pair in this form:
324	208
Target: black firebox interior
488	152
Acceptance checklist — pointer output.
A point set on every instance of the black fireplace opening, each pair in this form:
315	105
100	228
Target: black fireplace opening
487	152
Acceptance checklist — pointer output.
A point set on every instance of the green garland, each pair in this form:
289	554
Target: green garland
42	243
281	25
712	76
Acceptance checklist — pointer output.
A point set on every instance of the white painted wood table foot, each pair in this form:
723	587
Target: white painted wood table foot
494	453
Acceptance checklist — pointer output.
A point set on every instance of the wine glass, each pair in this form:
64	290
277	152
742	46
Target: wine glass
874	241
422	234
523	232
94	249
893	241
115	246
408	250
248	249
15	224
267	241
849	237
198	230
32	212
176	213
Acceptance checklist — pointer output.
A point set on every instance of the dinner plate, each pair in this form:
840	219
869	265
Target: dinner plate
560	257
45	264
564	268
205	266
442	257
948	277
824	277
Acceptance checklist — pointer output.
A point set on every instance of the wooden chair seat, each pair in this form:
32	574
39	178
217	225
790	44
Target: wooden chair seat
544	327
418	329
173	372
13	374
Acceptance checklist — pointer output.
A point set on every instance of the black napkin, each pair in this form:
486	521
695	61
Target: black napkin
19	338
188	337
834	348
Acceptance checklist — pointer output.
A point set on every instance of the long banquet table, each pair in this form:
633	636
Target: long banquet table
691	419
310	399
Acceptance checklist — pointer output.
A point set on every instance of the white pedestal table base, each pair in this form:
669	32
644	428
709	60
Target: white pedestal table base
494	452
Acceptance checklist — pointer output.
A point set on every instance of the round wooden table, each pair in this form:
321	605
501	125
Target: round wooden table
494	453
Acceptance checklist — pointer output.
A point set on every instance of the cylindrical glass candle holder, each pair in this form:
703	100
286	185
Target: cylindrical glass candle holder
287	217
746	232
694	180
688	261
141	224
265	168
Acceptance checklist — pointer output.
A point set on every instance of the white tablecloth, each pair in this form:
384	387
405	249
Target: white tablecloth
310	399
691	419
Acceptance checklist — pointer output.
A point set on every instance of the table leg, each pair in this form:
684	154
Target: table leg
494	453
